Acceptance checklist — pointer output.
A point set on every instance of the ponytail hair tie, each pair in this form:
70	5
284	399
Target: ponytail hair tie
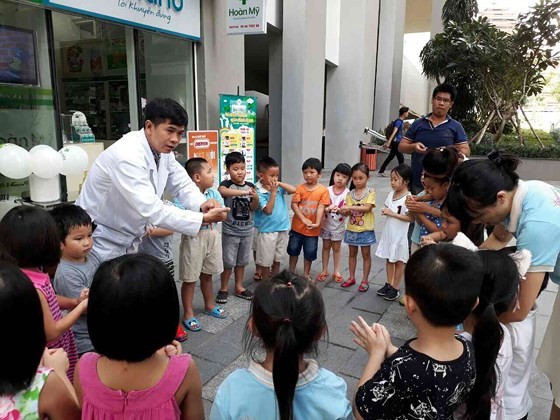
287	321
496	158
289	284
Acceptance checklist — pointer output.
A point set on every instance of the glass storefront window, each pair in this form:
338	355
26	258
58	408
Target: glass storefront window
27	111
91	70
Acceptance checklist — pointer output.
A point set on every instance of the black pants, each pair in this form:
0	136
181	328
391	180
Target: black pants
394	152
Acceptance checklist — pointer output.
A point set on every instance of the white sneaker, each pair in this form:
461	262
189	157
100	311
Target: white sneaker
381	174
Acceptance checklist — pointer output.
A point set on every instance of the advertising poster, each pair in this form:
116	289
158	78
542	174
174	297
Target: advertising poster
238	120
204	144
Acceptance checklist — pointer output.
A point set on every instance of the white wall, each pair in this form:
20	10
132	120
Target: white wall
333	31
414	88
350	86
274	13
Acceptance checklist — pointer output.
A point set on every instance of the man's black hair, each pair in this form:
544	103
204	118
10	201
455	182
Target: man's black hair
402	110
68	217
159	110
312	163
234	157
445	88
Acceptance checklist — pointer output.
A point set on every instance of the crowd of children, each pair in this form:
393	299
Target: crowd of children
469	360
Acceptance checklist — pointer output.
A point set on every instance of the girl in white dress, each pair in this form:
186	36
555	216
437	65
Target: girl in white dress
393	245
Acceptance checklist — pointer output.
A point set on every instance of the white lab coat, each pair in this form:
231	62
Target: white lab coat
123	194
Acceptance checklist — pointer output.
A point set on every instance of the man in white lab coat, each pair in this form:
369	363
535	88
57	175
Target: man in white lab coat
123	190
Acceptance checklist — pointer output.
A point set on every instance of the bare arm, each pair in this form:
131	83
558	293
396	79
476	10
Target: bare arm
360	209
390	213
392	136
54	329
318	216
290	189
494	242
464	148
254	204
270	205
67	303
528	292
191	406
230	192
299	214
157	232
56	401
431	226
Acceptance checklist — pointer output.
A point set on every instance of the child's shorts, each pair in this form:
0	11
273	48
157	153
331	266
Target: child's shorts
271	248
366	238
255	237
200	254
337	235
236	250
298	241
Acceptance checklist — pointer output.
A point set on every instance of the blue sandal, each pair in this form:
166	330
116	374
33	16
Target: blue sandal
217	312
192	324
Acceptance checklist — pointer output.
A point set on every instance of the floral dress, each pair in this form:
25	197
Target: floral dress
25	404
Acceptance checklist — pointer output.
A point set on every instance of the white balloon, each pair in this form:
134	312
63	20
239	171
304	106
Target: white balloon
75	160
45	161
14	161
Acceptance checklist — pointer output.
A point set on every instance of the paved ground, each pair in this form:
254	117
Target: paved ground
218	349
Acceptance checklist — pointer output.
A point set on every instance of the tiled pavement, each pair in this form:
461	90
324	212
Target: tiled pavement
218	348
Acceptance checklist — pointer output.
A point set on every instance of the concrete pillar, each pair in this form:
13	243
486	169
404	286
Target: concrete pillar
220	63
303	76
436	26
350	85
275	94
389	62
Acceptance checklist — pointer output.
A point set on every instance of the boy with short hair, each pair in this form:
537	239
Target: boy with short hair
431	375
308	204
274	220
201	255
78	263
237	229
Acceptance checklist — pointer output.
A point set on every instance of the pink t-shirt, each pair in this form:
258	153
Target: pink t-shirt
42	282
155	403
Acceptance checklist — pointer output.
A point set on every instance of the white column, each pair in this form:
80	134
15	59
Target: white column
303	75
221	62
436	26
350	85
389	62
275	95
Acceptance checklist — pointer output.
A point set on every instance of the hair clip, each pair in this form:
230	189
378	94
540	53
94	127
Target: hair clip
289	284
496	158
287	321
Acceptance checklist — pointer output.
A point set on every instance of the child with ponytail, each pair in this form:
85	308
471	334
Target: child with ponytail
288	319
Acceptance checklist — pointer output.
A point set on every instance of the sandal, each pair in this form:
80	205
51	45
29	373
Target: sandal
350	282
192	324
257	276
337	278
217	312
322	277
222	296
245	294
364	286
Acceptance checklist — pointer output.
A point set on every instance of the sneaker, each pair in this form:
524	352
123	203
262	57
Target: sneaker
221	297
381	174
383	290
401	301
181	334
391	293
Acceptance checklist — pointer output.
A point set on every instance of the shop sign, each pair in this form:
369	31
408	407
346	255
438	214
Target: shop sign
246	17
173	17
204	144
238	123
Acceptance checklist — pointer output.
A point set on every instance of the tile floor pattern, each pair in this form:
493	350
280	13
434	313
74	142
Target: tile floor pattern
218	349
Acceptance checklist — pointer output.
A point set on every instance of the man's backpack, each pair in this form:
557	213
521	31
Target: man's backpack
389	130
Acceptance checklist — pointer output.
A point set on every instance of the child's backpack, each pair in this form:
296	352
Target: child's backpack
389	130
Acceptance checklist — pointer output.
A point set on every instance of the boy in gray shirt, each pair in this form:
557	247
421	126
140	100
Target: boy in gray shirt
237	230
78	264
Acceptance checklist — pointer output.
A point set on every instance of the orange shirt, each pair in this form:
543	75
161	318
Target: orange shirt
308	202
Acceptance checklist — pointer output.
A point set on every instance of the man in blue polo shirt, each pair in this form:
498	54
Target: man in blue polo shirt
434	130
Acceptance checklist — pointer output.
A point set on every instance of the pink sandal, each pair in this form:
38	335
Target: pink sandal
350	282
322	277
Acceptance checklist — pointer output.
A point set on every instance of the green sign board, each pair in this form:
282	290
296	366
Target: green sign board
238	125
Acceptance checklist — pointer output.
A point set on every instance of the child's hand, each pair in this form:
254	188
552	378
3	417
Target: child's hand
344	210
84	294
386	211
306	221
273	185
173	349
56	359
369	338
387	337
313	225
427	240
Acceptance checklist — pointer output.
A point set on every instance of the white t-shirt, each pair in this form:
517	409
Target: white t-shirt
334	222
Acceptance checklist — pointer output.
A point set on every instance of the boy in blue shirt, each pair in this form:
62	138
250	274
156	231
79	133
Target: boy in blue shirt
274	220
201	255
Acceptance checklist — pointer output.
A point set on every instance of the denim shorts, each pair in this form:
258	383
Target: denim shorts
366	238
308	243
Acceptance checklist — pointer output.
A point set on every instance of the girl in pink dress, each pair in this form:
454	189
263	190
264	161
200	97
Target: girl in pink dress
132	316
33	382
30	237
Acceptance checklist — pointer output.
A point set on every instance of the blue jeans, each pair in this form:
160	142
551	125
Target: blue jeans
308	243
